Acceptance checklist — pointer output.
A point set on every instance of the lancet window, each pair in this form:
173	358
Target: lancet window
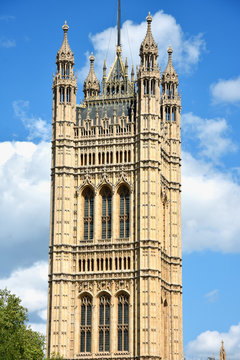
61	94
106	213
68	95
123	322
88	214
104	323
86	324
124	212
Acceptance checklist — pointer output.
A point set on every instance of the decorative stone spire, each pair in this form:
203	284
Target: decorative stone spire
132	74
65	53
126	67
104	68
91	85
222	355
149	45
170	69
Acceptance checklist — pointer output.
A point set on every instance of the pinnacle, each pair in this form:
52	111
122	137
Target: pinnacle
169	68
149	44
65	52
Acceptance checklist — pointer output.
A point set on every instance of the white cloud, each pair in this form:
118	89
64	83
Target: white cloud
30	285
211	133
210	207
37	127
226	91
208	343
187	50
39	327
43	314
24	192
212	296
7	43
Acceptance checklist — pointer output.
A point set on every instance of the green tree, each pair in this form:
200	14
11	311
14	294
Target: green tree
17	341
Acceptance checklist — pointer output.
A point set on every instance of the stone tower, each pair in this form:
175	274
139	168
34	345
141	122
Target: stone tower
115	286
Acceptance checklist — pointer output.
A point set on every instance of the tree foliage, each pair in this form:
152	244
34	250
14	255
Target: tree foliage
17	341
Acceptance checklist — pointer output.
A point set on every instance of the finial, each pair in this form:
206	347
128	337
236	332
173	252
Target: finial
170	50
126	62
91	58
149	18
119	50
65	27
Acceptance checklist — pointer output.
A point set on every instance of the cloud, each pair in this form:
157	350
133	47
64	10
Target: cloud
187	50
212	296
7	17
208	343
39	327
24	192
212	135
30	284
226	91
210	207
37	127
7	43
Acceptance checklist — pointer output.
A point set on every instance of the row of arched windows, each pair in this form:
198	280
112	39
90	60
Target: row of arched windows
64	69
64	94
148	62
121	263
170	114
104	323
149	86
115	90
106	213
105	158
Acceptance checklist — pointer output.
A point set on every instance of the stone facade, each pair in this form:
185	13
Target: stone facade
115	278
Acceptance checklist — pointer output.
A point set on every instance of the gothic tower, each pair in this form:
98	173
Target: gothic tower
115	287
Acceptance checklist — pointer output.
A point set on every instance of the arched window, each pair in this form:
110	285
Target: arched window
86	324
106	213
123	322
61	94
153	87
67	71
68	95
124	212
88	214
104	323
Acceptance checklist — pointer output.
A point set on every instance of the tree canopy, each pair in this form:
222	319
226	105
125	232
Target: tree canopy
18	341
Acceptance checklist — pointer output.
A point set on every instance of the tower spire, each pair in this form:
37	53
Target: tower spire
119	24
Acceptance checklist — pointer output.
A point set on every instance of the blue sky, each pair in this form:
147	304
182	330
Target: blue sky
205	39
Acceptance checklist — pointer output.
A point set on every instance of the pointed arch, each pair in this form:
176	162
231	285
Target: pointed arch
124	211
106	211
104	322
85	323
123	322
88	219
